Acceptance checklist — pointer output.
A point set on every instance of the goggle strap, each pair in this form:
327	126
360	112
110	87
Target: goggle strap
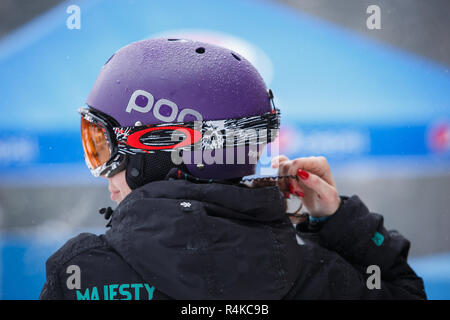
199	135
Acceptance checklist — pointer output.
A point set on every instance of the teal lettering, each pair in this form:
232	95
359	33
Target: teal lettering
112	293
105	292
84	296
124	292
136	287
149	291
94	294
117	292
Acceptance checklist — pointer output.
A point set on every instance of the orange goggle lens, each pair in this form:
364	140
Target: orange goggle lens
95	144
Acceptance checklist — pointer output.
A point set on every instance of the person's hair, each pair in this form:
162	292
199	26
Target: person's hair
295	218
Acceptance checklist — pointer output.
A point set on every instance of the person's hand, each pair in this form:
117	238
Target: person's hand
315	186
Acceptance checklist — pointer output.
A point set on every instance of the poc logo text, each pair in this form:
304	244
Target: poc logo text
143	101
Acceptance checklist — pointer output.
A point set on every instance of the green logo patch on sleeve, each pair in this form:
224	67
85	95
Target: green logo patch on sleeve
378	239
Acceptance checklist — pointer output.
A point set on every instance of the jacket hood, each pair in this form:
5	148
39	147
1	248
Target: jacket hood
207	240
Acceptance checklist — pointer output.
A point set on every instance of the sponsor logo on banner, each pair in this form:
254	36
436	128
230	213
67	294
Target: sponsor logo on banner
439	137
323	141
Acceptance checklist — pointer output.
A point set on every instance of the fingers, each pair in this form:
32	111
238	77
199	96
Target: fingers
324	191
283	183
316	169
277	160
315	184
316	165
321	198
294	186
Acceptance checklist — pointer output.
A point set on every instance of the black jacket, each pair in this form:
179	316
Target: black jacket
184	240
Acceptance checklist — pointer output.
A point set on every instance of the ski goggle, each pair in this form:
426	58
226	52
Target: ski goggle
99	144
106	143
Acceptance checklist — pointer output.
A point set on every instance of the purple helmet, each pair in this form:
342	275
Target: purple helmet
157	81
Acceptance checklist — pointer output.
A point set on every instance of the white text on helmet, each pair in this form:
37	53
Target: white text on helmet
174	114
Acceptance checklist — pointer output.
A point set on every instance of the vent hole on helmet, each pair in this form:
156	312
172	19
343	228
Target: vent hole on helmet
200	50
236	57
173	39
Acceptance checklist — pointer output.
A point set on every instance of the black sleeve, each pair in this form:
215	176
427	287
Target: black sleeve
347	244
51	289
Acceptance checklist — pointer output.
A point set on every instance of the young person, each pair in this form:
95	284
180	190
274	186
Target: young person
174	125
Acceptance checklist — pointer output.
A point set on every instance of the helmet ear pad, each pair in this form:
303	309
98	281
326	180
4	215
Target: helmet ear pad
144	168
230	163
